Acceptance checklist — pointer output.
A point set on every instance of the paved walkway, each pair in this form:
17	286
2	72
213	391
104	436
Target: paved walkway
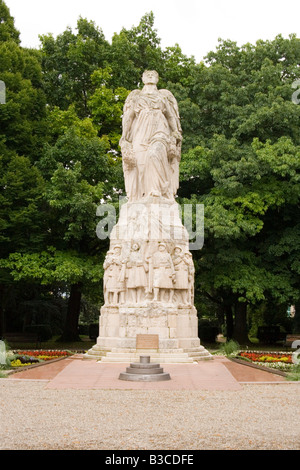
76	373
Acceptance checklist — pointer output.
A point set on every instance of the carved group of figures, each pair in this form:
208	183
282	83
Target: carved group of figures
159	277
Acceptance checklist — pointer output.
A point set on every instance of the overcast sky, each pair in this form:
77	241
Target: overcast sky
195	25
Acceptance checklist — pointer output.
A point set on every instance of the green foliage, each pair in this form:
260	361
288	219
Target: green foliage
106	105
22	116
294	376
230	348
52	266
133	51
68	62
20	205
7	27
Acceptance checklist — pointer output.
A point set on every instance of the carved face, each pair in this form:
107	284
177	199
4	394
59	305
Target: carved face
150	77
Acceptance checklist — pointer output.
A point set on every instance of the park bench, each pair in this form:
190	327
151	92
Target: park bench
289	339
22	337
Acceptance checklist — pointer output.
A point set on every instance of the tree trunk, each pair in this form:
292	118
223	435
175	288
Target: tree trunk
70	332
240	333
229	322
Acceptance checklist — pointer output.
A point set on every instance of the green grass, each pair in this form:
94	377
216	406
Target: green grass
295	374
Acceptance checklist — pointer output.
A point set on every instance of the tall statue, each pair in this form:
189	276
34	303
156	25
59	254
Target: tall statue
148	270
151	141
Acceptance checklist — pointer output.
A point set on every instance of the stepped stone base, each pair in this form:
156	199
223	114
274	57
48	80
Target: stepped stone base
157	355
176	330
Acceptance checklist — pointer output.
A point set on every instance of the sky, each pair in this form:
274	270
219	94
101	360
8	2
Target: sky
195	25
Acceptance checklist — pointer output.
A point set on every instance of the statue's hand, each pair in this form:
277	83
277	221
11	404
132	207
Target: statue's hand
127	154
129	161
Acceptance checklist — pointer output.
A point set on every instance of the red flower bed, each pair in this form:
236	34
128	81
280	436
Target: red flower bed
267	357
45	354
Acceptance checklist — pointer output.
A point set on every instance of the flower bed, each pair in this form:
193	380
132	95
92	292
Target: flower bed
264	357
274	360
28	358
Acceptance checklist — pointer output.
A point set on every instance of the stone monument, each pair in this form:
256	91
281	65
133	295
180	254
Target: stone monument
149	271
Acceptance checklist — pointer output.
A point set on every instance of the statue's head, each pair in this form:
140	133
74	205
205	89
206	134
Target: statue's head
150	77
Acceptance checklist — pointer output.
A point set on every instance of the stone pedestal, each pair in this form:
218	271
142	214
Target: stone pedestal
175	326
144	371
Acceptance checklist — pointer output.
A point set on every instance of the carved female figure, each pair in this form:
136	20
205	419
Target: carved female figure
151	141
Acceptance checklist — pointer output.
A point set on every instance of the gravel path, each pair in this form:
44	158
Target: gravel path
256	417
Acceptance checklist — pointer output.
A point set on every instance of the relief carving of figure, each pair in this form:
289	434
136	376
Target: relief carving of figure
136	275
191	272
106	276
162	274
181	266
114	286
151	141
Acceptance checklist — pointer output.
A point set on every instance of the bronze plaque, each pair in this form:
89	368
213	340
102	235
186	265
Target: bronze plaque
147	341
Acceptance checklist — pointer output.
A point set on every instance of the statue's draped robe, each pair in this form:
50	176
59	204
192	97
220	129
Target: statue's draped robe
149	121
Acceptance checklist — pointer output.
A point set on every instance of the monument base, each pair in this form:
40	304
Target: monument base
126	332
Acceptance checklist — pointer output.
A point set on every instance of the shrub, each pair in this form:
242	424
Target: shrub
230	348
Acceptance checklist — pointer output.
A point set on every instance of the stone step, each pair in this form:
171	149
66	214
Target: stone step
94	354
202	352
148	371
161	355
155	357
197	348
201	357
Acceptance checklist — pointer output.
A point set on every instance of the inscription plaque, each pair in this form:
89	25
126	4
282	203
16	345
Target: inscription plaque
147	341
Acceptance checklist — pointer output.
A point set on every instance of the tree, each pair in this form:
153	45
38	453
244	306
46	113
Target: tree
133	51
106	106
68	62
7	25
21	137
22	116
